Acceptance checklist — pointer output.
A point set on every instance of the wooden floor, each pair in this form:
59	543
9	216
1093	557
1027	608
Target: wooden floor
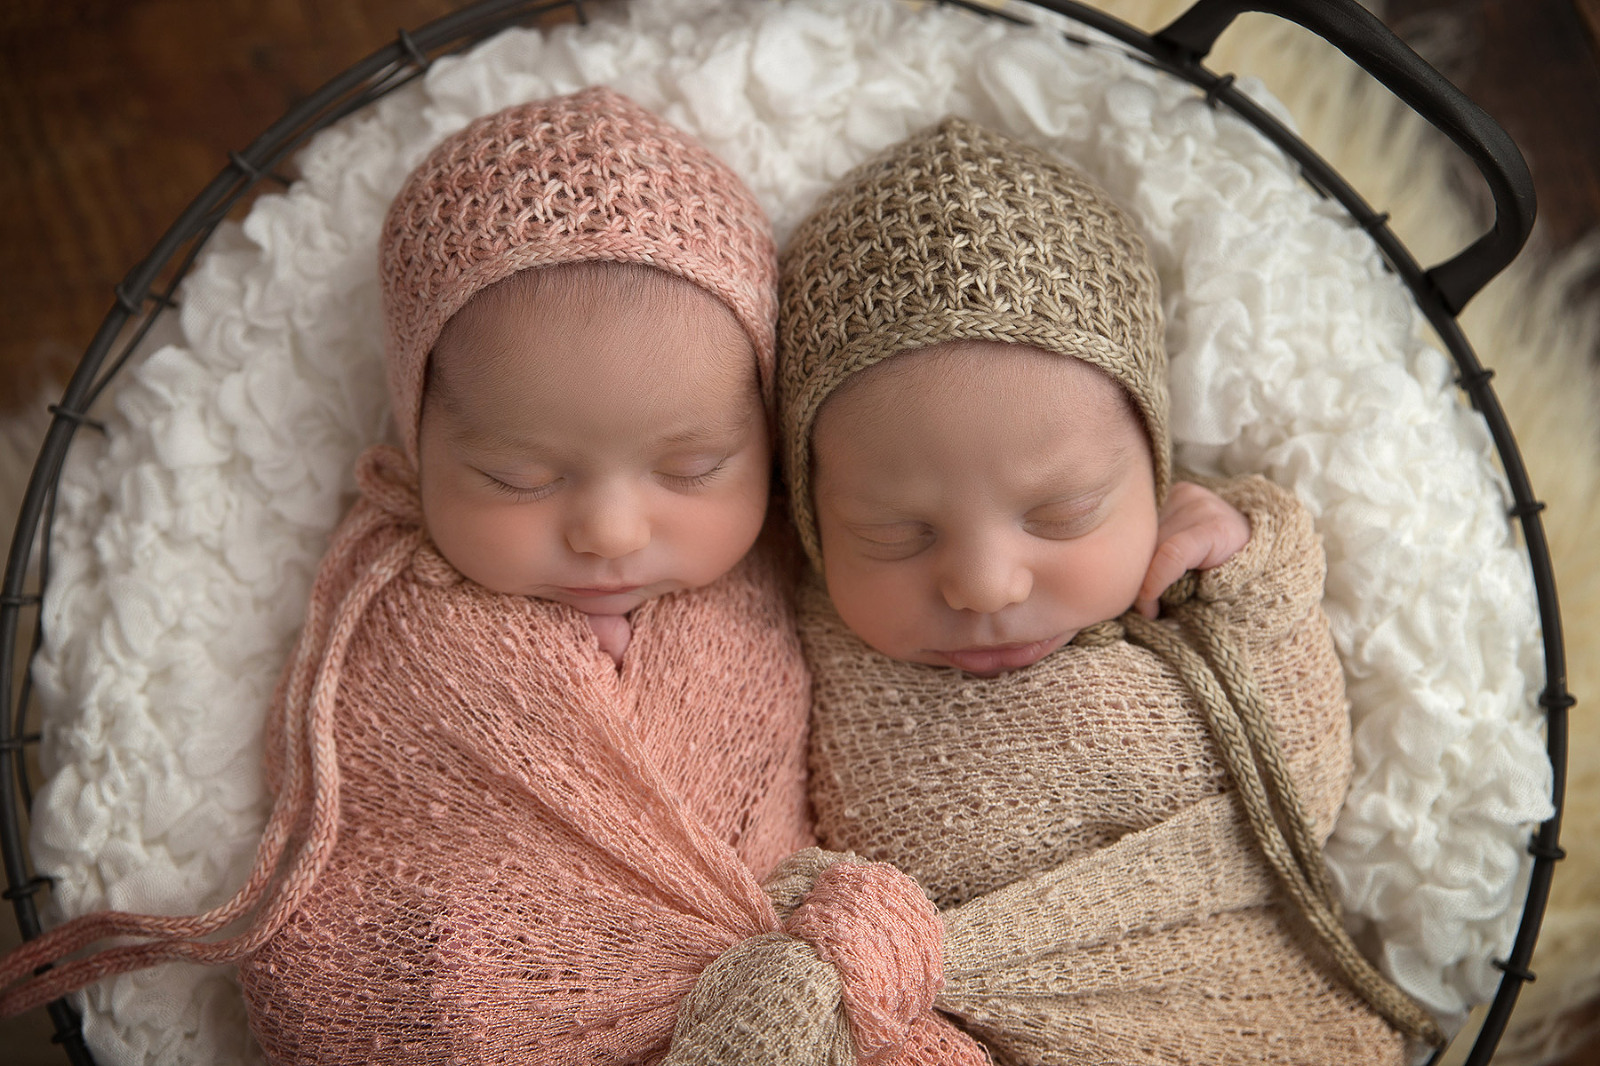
115	113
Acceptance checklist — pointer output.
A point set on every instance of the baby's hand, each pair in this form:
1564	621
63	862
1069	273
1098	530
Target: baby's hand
1198	530
614	631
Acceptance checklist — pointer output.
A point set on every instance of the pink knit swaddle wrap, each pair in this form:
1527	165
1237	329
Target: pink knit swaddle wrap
536	852
537	861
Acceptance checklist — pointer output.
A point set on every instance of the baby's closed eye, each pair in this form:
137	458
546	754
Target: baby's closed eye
892	540
534	487
1065	519
691	471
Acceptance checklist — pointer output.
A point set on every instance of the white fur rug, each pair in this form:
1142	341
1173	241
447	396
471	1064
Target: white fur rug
187	542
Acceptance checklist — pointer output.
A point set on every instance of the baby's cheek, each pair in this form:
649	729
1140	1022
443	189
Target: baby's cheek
881	609
711	538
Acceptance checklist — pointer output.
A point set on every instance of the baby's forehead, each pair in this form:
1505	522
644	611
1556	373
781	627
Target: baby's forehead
577	298
954	372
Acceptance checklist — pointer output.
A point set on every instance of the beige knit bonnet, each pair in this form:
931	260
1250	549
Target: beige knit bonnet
959	233
581	178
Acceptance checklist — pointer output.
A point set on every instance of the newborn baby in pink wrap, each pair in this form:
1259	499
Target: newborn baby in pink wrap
544	730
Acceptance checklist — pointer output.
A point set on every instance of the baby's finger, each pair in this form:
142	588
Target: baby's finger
1174	557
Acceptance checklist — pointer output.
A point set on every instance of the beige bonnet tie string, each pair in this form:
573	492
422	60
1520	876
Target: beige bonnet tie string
1222	683
310	766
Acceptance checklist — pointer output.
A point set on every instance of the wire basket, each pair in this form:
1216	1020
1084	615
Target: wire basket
148	292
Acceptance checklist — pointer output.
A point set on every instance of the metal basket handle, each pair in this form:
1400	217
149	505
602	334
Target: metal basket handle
1359	34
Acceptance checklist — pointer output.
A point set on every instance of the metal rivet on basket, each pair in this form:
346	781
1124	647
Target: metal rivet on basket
27	888
1475	380
18	743
29	600
253	172
1554	853
1521	973
1374	222
418	56
1218	87
1557	702
131	303
76	416
126	302
1526	508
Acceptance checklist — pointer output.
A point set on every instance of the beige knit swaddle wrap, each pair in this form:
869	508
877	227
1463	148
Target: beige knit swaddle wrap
1116	883
1105	898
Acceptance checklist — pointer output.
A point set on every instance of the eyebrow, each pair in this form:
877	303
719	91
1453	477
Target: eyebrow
718	429
497	441
476	438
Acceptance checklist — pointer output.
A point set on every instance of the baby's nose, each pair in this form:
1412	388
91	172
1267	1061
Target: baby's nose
608	523
984	582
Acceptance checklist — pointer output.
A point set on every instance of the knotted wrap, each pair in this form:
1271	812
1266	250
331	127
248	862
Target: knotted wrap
851	979
1105	896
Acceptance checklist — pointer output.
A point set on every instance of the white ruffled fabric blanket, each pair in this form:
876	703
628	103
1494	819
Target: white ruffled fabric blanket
187	537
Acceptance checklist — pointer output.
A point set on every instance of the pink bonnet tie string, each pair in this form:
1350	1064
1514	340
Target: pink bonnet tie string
307	800
388	481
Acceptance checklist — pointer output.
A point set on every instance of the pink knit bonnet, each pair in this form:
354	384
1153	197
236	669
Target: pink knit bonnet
580	178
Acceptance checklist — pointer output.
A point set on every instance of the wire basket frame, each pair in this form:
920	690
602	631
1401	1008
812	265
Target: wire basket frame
148	292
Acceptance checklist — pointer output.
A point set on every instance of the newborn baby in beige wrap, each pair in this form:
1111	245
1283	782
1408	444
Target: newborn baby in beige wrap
974	409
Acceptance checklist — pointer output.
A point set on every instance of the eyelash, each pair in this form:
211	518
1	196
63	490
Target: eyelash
899	549
683	481
694	481
912	546
1063	528
537	493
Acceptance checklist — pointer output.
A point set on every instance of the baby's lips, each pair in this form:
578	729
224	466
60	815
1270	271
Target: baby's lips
987	661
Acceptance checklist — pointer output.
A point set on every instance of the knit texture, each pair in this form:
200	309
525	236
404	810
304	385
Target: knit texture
960	233
851	980
590	176
536	853
489	844
1105	900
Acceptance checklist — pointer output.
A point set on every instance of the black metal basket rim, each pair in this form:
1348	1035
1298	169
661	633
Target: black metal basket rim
1179	50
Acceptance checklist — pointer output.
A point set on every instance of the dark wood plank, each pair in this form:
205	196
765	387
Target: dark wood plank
115	115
